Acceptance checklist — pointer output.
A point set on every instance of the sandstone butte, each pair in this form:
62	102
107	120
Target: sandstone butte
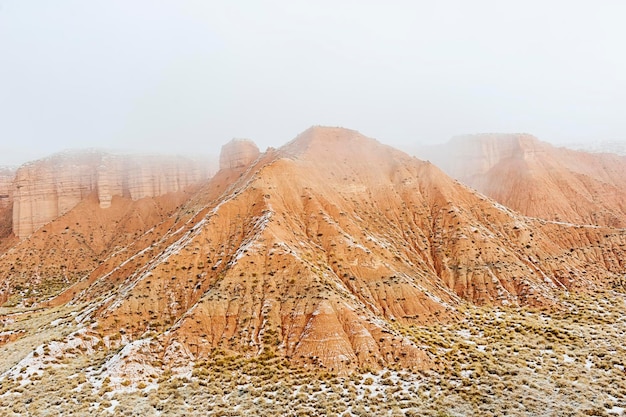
538	179
316	251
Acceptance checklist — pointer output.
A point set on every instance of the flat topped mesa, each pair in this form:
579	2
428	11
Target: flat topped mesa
238	153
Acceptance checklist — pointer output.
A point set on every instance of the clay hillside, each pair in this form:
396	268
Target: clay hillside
315	252
63	215
538	179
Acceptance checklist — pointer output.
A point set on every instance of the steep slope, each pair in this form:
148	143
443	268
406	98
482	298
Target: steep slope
316	251
538	179
48	188
73	245
7	178
74	210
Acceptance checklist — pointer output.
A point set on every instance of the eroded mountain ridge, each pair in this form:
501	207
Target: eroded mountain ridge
315	252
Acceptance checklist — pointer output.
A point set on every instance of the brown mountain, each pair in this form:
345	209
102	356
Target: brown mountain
315	252
48	188
538	179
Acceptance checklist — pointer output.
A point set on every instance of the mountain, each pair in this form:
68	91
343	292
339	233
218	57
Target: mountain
317	252
265	286
63	215
49	188
538	179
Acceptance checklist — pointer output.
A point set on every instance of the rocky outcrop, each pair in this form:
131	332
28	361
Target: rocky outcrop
471	156
320	252
147	176
320	249
538	179
49	188
7	178
238	153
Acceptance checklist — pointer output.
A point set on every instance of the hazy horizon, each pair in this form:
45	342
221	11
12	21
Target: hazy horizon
188	76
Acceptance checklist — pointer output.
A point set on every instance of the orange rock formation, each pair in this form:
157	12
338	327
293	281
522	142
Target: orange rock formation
7	178
238	153
49	188
314	251
537	179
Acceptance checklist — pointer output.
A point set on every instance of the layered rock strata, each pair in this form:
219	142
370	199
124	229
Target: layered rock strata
7	178
46	189
321	247
320	252
538	179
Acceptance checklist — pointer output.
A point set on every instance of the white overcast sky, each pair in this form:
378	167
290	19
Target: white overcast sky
187	76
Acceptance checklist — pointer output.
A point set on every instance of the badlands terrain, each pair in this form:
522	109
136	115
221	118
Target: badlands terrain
538	179
331	276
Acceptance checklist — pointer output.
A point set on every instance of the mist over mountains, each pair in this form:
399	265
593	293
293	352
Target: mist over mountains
326	254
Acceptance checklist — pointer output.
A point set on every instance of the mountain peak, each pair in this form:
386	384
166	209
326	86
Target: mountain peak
322	143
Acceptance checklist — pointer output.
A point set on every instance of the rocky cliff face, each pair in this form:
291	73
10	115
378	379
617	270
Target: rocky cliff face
319	253
538	179
321	246
7	179
147	176
475	155
238	153
49	188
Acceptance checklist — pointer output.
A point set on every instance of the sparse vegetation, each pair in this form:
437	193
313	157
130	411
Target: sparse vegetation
236	306
518	361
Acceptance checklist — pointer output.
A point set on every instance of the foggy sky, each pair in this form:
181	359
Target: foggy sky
187	76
